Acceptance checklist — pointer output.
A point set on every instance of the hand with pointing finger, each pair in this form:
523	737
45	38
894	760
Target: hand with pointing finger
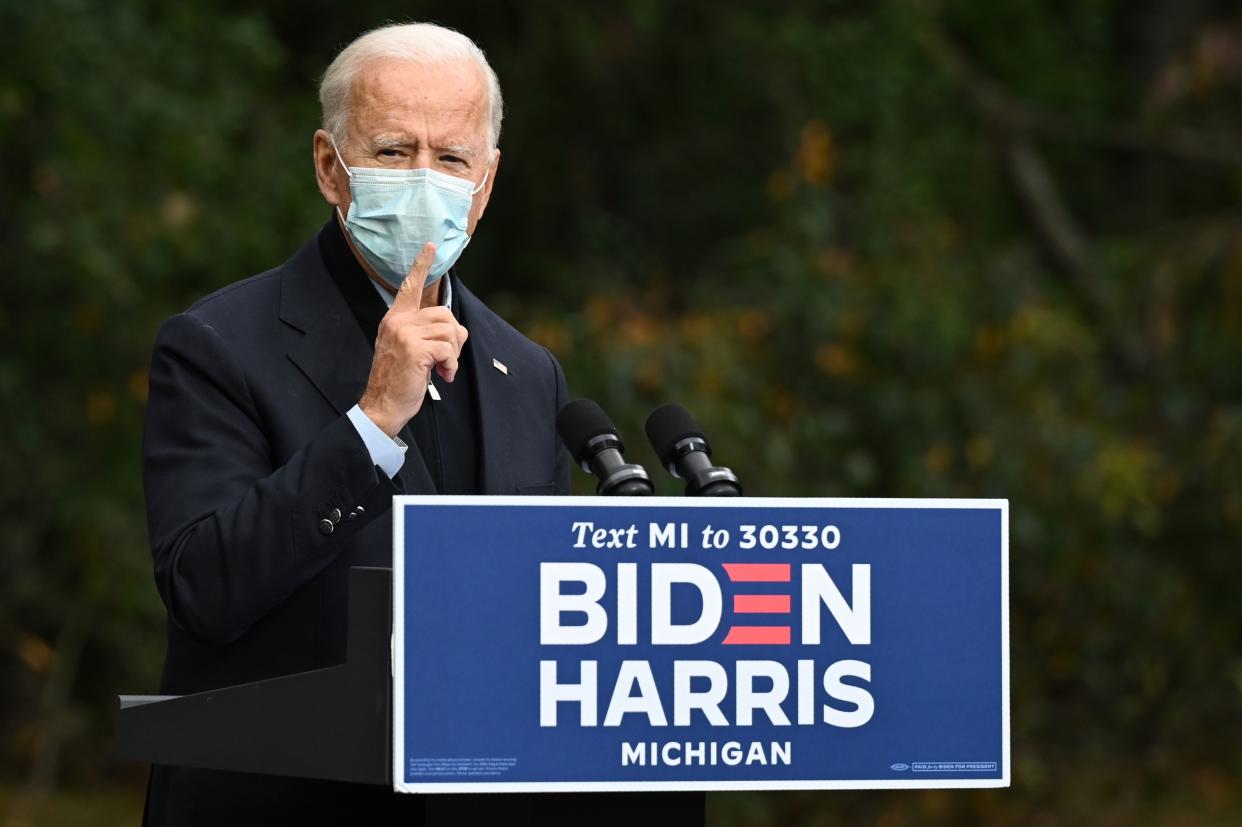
412	341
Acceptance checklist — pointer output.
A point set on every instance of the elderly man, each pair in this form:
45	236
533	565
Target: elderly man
288	408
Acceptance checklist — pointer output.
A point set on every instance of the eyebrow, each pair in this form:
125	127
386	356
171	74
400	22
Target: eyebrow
389	141
400	141
465	151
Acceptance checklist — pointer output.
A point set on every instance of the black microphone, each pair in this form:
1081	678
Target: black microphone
593	442
684	451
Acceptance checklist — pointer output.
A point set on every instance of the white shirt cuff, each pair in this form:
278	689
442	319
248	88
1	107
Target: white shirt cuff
386	452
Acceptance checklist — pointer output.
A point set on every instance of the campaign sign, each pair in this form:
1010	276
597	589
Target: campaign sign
610	643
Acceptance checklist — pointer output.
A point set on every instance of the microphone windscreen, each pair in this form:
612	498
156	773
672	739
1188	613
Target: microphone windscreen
578	422
666	426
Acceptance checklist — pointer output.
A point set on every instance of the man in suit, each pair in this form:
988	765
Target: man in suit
287	409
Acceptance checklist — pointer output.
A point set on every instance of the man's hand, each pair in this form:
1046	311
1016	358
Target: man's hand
412	340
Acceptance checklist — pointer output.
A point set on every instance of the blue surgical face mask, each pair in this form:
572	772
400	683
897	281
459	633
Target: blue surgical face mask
394	212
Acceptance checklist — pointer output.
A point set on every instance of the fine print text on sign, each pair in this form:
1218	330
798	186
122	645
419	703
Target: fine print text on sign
587	643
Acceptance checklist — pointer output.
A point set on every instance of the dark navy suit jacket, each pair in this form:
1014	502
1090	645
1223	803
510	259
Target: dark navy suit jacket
246	449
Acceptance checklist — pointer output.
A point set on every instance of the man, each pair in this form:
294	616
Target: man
287	409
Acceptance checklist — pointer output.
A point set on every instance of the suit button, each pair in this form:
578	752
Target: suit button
326	527
335	515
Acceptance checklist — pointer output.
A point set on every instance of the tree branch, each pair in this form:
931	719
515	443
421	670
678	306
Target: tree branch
1065	242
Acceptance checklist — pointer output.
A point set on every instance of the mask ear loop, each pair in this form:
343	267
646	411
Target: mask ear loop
347	172
338	156
482	183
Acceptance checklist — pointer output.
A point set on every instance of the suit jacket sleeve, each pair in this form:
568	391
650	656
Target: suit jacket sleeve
563	462
232	534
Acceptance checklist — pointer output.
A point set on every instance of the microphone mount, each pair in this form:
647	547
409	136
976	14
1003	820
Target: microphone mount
596	446
685	452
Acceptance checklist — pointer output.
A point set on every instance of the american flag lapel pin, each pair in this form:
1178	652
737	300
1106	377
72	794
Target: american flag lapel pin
500	366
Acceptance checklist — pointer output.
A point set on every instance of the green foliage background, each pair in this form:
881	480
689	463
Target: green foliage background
960	248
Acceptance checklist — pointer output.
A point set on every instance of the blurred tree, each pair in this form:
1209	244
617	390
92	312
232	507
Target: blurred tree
890	249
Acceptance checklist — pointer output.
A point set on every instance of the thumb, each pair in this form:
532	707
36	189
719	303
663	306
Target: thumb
410	295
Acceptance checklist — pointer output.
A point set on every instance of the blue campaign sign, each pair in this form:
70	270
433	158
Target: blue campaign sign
609	643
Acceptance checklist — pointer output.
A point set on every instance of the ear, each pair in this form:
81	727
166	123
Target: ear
329	174
484	195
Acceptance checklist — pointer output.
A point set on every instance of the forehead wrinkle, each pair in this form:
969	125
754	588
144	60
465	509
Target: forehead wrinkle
453	129
457	93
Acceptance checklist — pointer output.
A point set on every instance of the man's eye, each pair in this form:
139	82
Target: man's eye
451	159
390	153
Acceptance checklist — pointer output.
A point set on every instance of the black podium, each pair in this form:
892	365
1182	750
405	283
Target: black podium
261	726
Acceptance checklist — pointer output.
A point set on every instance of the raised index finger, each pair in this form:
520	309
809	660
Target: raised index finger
410	296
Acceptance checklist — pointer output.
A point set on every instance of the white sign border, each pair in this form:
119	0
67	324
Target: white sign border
398	648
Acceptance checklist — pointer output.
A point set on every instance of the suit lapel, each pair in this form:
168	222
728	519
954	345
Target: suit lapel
497	394
333	354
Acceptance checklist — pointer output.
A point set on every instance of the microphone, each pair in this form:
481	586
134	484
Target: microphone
684	451
593	442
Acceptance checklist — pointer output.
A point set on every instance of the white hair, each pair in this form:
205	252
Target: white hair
423	42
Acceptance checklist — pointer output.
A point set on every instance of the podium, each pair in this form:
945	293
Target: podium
261	727
726	646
